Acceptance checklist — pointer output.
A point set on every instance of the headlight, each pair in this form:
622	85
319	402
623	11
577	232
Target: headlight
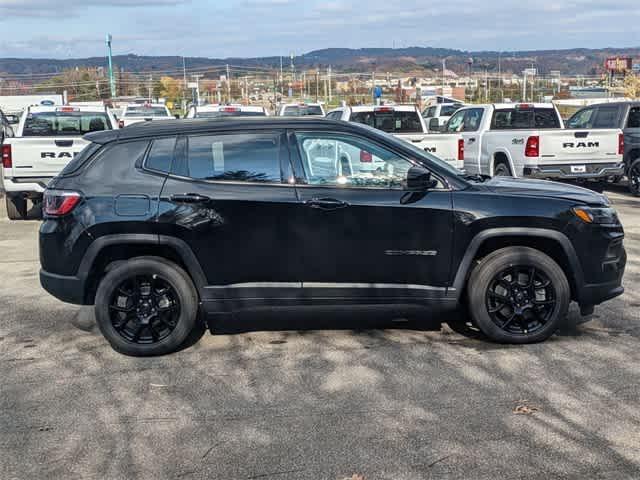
597	215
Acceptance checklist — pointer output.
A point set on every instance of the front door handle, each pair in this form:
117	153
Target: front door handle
472	140
189	198
326	203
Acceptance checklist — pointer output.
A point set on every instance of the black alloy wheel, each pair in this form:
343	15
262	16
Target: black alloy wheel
521	300
144	309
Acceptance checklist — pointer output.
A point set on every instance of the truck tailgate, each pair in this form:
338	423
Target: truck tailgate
43	157
569	146
442	145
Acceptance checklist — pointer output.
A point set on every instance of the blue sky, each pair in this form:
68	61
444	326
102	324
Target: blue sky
223	28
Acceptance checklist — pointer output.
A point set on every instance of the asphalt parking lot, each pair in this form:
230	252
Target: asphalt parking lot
309	396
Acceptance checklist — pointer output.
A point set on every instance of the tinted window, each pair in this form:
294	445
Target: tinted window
47	124
80	159
161	154
581	119
634	118
145	111
343	160
448	110
606	117
114	156
300	111
251	157
430	112
390	121
334	115
512	119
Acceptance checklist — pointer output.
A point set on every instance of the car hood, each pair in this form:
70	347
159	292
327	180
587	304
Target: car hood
545	188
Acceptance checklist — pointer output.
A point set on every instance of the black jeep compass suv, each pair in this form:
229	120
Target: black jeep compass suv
164	224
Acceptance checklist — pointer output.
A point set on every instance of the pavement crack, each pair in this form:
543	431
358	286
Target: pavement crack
442	459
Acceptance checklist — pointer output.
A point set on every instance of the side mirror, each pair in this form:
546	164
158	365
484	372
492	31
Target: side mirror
434	125
419	180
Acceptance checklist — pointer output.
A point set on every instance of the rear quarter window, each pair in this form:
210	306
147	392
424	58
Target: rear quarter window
79	160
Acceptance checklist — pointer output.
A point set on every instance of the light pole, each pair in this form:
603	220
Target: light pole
112	82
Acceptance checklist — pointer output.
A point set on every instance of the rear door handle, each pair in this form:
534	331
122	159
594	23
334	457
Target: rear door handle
189	198
326	203
64	143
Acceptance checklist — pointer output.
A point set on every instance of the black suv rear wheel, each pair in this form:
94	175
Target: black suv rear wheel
518	295
146	306
634	177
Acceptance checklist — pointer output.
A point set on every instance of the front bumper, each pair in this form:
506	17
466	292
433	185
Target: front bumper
65	288
597	293
564	171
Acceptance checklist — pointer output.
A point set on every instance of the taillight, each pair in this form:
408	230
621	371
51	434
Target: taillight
461	149
366	157
533	147
620	145
59	202
7	160
121	124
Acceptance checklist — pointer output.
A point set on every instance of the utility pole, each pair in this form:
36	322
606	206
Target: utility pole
184	85
228	84
281	79
112	82
317	85
329	75
524	86
246	89
444	67
150	87
197	79
326	92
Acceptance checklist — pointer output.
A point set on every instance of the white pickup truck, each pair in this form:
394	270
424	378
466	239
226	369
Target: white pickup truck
529	140
218	111
406	123
146	112
437	116
47	139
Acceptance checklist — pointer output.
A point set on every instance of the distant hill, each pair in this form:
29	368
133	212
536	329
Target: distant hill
414	59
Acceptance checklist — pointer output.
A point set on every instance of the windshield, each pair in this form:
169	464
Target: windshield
143	111
300	111
390	121
47	124
237	113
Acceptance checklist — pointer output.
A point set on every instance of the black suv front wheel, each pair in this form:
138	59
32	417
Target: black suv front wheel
146	306
518	295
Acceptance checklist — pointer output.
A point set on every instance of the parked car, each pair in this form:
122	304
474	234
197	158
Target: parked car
624	116
528	140
405	123
437	116
47	139
146	112
217	111
301	110
153	224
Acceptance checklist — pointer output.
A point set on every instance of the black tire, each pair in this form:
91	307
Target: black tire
129	302
633	174
501	169
518	295
16	207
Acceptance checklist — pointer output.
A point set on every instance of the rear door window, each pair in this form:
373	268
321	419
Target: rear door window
634	118
245	157
606	117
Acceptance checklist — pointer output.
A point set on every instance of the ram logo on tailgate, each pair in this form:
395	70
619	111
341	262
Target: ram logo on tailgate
581	145
58	155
